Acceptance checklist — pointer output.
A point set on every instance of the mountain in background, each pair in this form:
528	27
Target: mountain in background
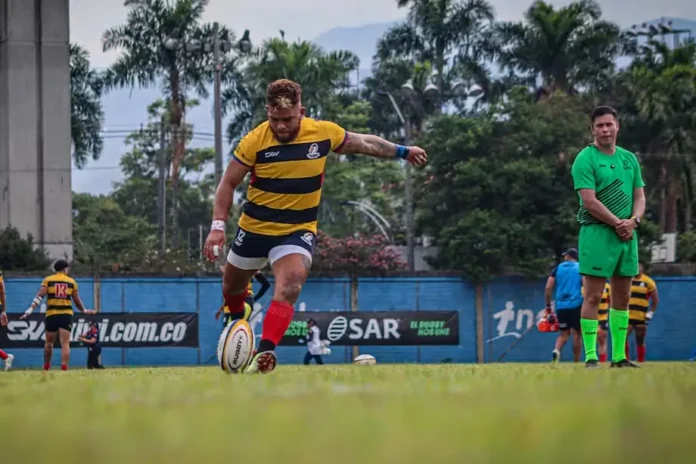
125	110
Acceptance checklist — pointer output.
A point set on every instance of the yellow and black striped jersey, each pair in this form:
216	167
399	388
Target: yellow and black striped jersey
603	313
250	288
286	178
641	289
60	288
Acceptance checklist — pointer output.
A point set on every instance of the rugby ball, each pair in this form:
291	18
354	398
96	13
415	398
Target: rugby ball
235	347
365	359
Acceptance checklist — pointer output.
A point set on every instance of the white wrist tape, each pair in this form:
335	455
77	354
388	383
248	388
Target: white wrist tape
218	225
37	301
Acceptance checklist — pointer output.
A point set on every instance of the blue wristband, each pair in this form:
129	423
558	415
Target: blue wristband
401	152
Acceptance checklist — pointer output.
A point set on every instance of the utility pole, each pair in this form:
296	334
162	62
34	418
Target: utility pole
162	187
218	104
408	192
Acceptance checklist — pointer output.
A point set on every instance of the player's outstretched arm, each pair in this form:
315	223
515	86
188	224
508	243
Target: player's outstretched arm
373	145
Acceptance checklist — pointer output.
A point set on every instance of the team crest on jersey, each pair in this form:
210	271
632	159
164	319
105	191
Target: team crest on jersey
313	152
240	238
308	238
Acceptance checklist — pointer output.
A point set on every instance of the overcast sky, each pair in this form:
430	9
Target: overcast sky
309	18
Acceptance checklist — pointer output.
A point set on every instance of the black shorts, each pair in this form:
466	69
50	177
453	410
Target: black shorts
251	251
568	318
635	322
604	325
59	321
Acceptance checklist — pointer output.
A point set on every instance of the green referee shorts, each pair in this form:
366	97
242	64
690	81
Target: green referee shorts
603	254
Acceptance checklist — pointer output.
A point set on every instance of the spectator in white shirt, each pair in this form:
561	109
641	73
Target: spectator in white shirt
314	346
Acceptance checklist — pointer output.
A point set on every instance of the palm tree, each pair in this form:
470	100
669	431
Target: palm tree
442	32
86	115
323	76
564	48
152	42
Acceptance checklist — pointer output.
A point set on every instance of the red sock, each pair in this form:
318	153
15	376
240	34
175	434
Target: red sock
628	351
47	366
63	367
277	321
235	303
603	358
3	355
641	353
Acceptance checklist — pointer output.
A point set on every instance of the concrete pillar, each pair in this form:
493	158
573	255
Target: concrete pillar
35	143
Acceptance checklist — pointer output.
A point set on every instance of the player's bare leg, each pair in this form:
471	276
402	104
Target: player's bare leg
618	320
602	344
64	348
594	287
577	345
629	331
561	340
7	358
48	348
290	273
641	331
235	282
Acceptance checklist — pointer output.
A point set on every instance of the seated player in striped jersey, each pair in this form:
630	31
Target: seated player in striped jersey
60	289
286	156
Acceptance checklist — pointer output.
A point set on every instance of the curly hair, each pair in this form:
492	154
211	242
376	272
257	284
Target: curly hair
283	93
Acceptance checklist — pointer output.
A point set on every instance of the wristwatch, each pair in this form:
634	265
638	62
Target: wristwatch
637	219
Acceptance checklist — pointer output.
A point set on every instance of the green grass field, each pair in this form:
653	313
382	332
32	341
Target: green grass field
352	414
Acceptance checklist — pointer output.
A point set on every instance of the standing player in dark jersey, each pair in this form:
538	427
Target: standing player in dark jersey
610	185
60	289
286	156
7	358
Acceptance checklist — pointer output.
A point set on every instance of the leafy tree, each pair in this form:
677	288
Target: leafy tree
86	113
657	94
104	235
363	179
498	196
137	194
21	254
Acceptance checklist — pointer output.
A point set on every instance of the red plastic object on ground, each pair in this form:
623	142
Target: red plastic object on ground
548	323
